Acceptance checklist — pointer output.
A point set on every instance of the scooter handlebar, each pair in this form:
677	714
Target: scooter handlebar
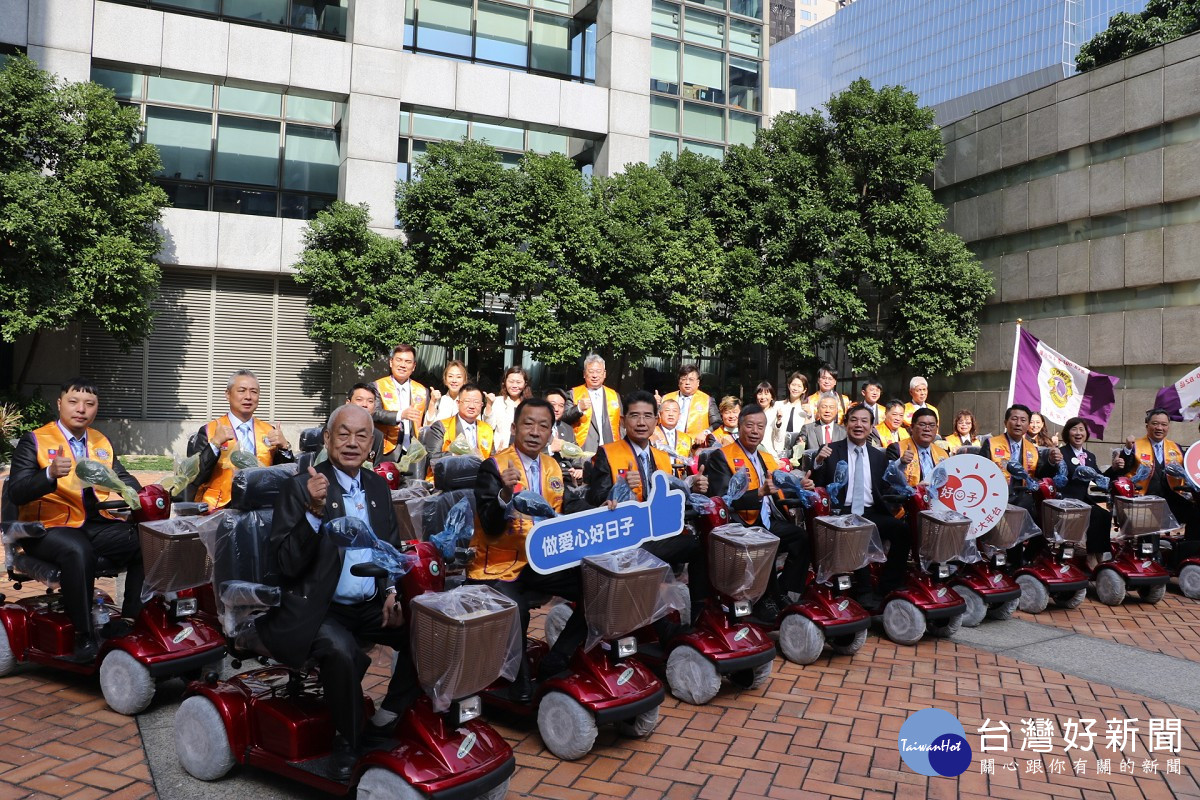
112	505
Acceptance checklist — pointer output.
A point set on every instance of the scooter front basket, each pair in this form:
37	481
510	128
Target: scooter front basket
943	536
621	591
1010	530
1137	515
740	561
1066	520
843	544
173	554
463	640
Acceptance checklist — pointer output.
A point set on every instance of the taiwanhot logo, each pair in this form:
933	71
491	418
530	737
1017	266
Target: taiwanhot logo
932	742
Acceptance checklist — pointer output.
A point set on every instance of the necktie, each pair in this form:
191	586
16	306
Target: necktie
926	462
535	484
791	419
644	468
356	501
684	403
78	448
858	495
245	437
828	434
469	430
1158	452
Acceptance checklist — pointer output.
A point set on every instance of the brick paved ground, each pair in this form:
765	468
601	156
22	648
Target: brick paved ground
825	730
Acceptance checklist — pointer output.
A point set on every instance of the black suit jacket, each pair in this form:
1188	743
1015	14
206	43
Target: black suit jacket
208	459
1044	468
878	460
27	481
309	564
493	515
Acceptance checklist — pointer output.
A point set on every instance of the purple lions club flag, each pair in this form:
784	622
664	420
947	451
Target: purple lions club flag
1181	398
1058	388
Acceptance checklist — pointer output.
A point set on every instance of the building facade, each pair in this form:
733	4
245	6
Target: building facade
1082	199
789	16
957	57
265	111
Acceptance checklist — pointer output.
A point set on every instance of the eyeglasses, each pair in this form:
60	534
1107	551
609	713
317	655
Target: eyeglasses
926	425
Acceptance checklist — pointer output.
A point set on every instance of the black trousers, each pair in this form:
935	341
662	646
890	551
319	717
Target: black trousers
793	541
1015	556
1099	533
567	584
338	651
75	551
685	549
896	535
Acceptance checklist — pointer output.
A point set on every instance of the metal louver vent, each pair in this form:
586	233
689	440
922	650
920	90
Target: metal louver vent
302	367
178	362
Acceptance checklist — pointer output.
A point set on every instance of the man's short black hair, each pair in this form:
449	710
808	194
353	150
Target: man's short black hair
639	396
85	385
688	368
858	407
469	387
747	410
871	382
1017	407
532	402
924	412
893	403
363	386
1154	412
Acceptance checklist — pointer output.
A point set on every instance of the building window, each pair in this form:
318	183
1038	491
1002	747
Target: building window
316	17
545	39
236	150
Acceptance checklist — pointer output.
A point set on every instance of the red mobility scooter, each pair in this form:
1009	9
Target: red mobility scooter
167	639
276	718
1186	569
1134	565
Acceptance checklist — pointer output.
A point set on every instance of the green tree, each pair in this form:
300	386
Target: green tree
1160	22
78	209
363	288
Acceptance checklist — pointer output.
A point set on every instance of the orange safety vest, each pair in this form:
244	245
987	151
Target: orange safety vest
723	437
503	557
735	456
683	442
843	405
218	489
1144	452
910	409
622	460
955	441
912	470
614	413
697	416
390	399
484	436
887	436
998	450
63	508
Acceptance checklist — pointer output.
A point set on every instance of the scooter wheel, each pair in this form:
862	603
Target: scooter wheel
1189	581
692	677
848	645
127	685
1004	610
754	678
8	659
1070	599
1152	594
378	783
800	639
568	729
976	608
1110	587
556	620
903	622
641	725
496	792
1034	596
201	741
945	628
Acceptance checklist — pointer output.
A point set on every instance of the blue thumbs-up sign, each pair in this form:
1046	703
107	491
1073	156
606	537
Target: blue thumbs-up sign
562	542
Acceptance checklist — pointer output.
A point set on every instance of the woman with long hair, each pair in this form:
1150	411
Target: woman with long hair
964	432
1038	433
514	387
444	406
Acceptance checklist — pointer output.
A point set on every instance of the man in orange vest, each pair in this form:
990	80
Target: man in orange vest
1156	451
499	540
43	485
919	455
439	436
827	384
757	507
596	411
667	434
237	430
698	411
918	390
891	431
402	401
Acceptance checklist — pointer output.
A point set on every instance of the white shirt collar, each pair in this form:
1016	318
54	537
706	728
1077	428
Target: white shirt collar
346	481
70	436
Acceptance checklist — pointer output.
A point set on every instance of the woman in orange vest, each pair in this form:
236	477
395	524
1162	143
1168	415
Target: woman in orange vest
44	486
964	432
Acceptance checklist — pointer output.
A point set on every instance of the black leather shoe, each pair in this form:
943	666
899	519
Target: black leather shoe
86	650
766	609
342	760
552	664
521	690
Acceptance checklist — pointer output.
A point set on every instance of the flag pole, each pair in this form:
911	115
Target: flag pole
1012	379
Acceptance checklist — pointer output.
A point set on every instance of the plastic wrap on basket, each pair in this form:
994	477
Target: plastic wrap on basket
174	555
463	640
740	560
626	590
354	533
456	472
458	530
242	602
945	537
843	544
1015	526
1066	520
259	487
238	547
1138	516
16	531
410	503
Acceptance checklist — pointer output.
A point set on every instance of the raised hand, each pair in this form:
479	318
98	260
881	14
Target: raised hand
318	490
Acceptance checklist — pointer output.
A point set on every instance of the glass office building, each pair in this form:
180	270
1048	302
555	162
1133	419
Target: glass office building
957	57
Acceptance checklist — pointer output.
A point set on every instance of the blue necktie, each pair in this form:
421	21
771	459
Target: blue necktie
245	437
926	462
78	448
858	496
535	484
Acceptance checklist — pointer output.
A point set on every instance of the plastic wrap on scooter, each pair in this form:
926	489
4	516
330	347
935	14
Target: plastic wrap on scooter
532	504
259	487
626	590
740	560
174	555
16	531
456	472
620	491
431	512
945	538
1066	521
355	534
1139	516
186	472
790	483
463	640
843	544
242	602
101	476
311	439
16	560
1085	474
895	479
458	530
739	482
239	548
1014	527
1180	471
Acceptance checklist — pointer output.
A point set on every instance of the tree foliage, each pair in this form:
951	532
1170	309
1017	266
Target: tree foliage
77	208
1160	22
822	234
